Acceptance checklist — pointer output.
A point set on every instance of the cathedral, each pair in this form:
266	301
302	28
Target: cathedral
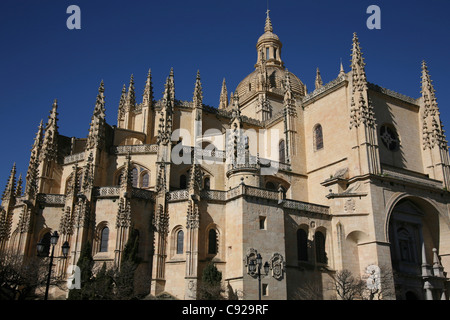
346	176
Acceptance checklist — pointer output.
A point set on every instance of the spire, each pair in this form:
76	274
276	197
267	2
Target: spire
131	96
50	142
10	188
165	119
19	188
428	93
223	104
33	165
361	108
359	73
97	128
147	99
198	93
341	71
122	103
431	113
172	86
319	82
268	27
38	140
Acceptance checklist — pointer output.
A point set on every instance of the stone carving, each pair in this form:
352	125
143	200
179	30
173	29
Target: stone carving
349	205
193	217
123	214
251	255
277	266
161	220
66	224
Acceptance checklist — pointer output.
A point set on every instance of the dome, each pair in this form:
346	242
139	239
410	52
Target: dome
268	36
276	77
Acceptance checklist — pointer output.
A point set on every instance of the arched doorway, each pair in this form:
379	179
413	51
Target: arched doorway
413	232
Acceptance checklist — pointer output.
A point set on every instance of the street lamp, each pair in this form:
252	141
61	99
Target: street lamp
255	265
41	252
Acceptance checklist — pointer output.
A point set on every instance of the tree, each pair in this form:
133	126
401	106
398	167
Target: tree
85	263
375	284
20	278
311	289
124	277
103	284
346	286
210	287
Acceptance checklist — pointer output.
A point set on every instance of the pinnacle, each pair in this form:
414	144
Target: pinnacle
319	82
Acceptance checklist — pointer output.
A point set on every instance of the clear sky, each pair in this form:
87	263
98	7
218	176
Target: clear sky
41	59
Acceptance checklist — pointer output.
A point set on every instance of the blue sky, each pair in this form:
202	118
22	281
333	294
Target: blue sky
40	59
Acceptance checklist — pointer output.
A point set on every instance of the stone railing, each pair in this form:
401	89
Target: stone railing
261	193
74	158
178	195
51	199
214	195
136	149
305	206
113	191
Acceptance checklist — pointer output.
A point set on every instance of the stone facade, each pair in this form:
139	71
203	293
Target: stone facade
343	177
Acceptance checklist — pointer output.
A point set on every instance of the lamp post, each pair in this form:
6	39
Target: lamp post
255	265
41	248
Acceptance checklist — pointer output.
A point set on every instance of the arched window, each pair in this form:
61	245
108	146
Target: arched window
180	242
134	177
321	255
302	245
282	151
104	237
207	183
318	137
183	182
145	180
212	241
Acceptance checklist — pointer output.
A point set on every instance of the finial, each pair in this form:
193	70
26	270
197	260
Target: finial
268	27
